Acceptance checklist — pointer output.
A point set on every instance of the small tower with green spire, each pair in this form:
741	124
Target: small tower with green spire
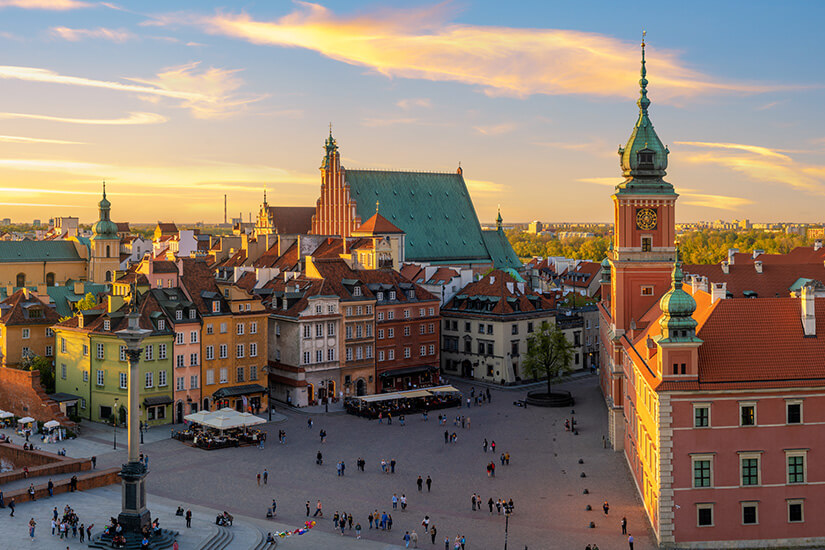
678	344
499	220
104	244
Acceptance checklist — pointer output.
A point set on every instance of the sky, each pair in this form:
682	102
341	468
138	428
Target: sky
176	103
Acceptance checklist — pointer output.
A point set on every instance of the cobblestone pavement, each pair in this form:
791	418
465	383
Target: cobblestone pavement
543	478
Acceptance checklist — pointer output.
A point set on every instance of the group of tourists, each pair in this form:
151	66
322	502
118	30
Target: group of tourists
69	524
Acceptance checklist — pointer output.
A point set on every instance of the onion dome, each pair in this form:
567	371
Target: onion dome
104	228
677	307
605	270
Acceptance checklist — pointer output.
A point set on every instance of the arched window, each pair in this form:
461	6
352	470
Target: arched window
108	276
107	253
21	279
49	279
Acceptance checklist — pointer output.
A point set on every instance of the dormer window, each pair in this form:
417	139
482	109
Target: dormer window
646	157
380	296
107	325
192	313
178	315
392	295
356	291
161	324
216	306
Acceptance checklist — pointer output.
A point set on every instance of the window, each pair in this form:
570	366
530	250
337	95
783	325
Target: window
392	295
210	376
380	355
25	351
149	352
179	338
647	244
432	349
368	330
240	374
647	290
317	310
359	331
193	381
390	333
180	383
192	313
277	355
85	350
216	306
193	359
223	328
161	378
161	324
150	379
27	333
391	355
253	349
210	353
193	337
161	351
253	373
330	329
82	403
306	358
750	515
150	413
795	511
406	330
179	362
359	352
100	354
277	329
406	314
100	378
239	351
704	515
702	471
49	351
209	329
331	354
390	315
178	315
224	375
481	328
380	297
319	356
381	334
749	467
422	351
107	325
369	352
223	351
530	327
368	310
307	331
430	311
356	291
747	414
796	466
331	308
422	328
793	412
239	328
431	328
407	353
123	353
124	381
701	416
63	371
359	310
349	332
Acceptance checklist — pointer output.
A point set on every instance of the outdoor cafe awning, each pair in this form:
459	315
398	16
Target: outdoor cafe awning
224	419
6	414
409	394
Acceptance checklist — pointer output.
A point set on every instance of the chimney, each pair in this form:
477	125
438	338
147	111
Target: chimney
718	291
808	312
757	252
758	266
725	267
817	244
731	253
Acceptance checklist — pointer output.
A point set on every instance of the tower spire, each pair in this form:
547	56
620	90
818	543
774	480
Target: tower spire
104	189
498	219
643	102
264	193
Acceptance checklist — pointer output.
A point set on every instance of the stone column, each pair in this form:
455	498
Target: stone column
134	515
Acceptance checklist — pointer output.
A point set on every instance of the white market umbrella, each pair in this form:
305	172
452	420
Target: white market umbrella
196	417
6	414
26	420
52	424
249	419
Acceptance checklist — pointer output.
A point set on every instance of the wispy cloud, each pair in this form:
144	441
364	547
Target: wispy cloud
373	122
50	165
19	139
496	129
76	35
761	164
207	93
569	146
133	118
422	43
690	197
484	187
58	5
412	102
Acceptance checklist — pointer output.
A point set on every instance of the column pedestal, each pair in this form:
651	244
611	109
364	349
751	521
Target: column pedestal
134	516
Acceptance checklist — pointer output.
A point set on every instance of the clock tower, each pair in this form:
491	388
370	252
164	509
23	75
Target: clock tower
644	222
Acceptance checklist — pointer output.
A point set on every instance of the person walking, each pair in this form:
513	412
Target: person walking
307	508
32	525
323	434
630	541
403	501
473	500
82	532
259	479
51	488
484	445
309	423
414	539
433	533
394	501
605	507
370	518
420	483
11	507
189	518
624	525
406	539
358	530
446	436
490	505
54	526
319	458
429	483
489	397
266	476
392	466
318	511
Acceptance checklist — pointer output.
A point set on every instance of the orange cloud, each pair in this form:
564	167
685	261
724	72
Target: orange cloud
690	197
19	139
420	43
133	118
75	35
59	5
495	129
761	164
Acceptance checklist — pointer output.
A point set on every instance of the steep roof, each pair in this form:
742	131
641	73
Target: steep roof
292	220
198	280
64	296
498	293
167	227
500	250
433	209
122	227
377	224
288	261
583	275
38	251
18	309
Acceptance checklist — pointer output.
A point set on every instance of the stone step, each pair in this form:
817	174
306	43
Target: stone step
159	541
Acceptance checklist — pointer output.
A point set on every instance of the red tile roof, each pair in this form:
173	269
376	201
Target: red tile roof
288	261
17	308
378	224
510	298
292	220
167	227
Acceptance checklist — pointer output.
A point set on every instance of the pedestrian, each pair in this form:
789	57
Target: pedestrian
392	466
307	508
406	539
394	501
468	402
189	517
468	422
507	458
493	468
389	522
73	484
389	418
484	445
370	517
54	526
490	505
429	483
175	546
624	525
82	532
319	458
414	539
605	507
343	467
380	418
32	525
502	459
420	483
489	397
318	511
309	423
338	468
266	476
630	541
358	530
51	488
474	502
433	533
94	462
259	479
323	434
89	531
446	436
446	543
493	446
403	501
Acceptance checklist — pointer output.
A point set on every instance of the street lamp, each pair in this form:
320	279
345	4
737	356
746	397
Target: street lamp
507	511
114	425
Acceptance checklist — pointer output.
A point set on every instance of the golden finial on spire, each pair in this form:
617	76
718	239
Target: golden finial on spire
644	34
376	206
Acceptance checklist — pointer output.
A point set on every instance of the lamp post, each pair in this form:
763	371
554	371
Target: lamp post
114	425
507	512
134	515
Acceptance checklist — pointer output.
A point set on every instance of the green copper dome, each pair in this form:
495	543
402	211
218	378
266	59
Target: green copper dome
644	158
104	228
605	270
678	306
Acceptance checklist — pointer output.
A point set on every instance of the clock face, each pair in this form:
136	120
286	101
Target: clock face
646	218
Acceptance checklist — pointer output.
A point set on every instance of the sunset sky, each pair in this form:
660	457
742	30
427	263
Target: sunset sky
175	103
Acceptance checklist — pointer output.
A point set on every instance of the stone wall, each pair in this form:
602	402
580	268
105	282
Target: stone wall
39	463
22	394
85	482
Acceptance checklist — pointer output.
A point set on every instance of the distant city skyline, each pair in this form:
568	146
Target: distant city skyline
175	104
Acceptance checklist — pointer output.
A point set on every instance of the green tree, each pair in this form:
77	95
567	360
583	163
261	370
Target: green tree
88	302
548	353
46	369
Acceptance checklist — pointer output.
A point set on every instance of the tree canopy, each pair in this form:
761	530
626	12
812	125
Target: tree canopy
88	302
549	353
